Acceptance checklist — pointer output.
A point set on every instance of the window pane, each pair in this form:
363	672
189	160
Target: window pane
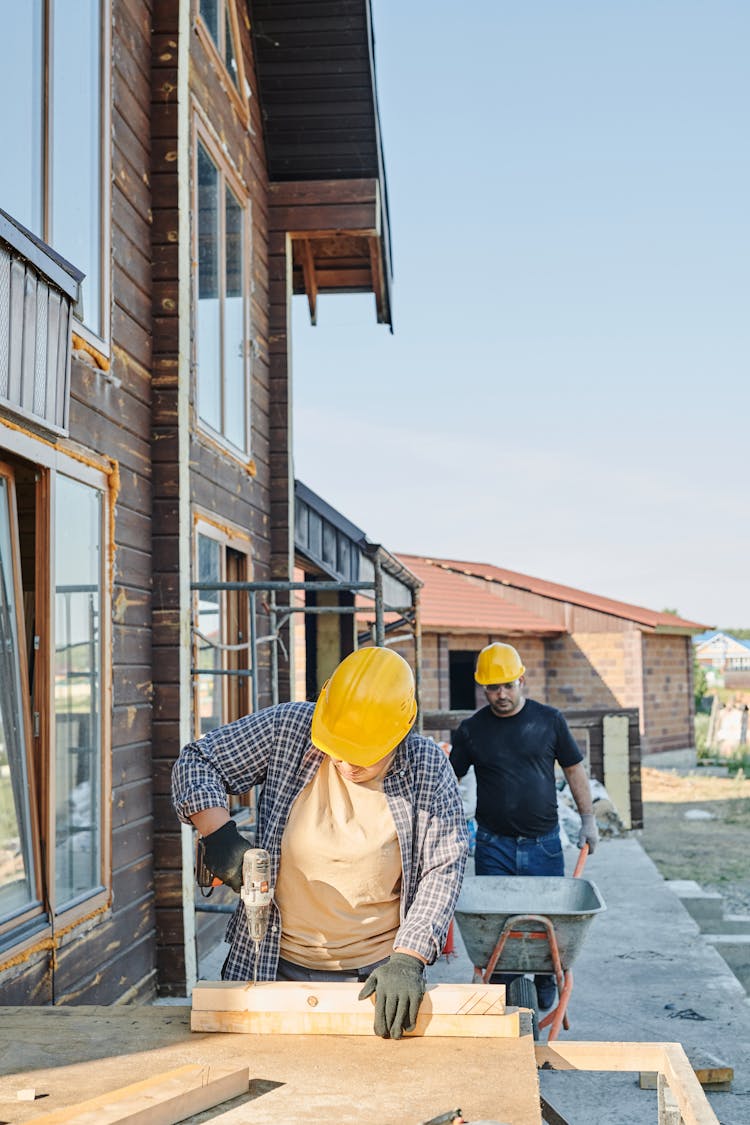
210	628
208	328
77	690
234	326
76	145
210	13
21	86
16	856
229	55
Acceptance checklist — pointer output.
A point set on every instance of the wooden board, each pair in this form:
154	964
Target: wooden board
292	1008
162	1100
667	1060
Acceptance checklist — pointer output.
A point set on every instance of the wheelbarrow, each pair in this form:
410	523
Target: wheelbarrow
529	924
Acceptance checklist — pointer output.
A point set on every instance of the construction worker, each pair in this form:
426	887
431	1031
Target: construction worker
364	825
513	745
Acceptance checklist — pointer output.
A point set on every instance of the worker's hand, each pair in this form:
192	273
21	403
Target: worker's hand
223	852
399	987
589	833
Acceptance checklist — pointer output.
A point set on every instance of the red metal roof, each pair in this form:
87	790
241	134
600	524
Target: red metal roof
428	568
449	601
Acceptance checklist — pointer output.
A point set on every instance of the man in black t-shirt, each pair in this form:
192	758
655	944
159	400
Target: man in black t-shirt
513	745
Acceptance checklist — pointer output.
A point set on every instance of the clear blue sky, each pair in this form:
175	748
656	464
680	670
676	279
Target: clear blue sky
567	389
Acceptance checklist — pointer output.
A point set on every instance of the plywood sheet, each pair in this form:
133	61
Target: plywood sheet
352	1080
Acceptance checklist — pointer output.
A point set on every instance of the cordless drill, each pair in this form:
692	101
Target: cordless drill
257	895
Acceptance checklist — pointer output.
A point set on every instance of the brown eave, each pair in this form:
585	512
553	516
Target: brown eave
316	84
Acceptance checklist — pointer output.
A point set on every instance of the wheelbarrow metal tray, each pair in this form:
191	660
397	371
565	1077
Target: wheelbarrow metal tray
487	901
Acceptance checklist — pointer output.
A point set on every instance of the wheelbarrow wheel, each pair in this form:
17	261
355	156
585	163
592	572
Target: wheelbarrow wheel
522	993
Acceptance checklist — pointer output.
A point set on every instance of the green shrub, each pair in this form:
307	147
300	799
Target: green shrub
739	761
701	733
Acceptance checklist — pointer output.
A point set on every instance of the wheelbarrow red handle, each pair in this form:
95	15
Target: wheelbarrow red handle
581	862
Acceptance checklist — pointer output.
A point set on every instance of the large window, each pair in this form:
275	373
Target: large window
53	815
221	636
53	152
221	630
221	330
77	675
219	30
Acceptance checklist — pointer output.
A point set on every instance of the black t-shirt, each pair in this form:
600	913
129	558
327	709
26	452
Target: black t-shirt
514	761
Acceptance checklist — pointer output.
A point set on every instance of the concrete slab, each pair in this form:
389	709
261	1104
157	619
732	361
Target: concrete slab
706	907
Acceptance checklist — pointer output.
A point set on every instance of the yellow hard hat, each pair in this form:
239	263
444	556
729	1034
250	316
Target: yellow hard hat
366	708
498	664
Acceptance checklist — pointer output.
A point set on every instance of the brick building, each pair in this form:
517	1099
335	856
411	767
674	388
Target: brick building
581	651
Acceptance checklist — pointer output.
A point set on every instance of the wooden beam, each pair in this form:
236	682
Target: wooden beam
162	1100
666	1059
377	276
308	272
289	1008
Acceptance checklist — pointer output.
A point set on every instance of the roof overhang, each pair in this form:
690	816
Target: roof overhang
315	68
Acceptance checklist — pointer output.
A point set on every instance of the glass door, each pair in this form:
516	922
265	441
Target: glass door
18	869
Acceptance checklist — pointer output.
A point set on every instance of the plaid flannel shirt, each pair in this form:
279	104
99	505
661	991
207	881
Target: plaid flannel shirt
272	748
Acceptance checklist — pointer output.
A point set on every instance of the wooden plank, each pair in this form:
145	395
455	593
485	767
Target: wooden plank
308	270
666	1059
291	1008
709	1070
162	1100
668	1109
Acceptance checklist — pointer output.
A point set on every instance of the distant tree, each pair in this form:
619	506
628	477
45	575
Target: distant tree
674	612
700	684
740	634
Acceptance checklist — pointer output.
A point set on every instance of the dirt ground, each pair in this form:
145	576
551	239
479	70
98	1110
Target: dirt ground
712	847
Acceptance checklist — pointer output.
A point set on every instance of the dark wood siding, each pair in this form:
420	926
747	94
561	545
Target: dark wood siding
164	453
112	954
222	487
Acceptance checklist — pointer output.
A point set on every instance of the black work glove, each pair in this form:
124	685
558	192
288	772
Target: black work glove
223	851
399	987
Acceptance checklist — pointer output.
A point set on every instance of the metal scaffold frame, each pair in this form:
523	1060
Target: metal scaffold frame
280	616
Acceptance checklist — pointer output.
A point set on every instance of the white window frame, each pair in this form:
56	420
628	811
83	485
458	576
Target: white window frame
203	134
99	342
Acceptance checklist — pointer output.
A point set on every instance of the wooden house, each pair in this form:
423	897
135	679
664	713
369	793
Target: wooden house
198	162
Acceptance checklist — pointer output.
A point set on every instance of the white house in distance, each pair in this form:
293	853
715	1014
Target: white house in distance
721	653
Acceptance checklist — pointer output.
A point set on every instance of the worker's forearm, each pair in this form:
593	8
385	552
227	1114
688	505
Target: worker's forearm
208	820
411	952
579	786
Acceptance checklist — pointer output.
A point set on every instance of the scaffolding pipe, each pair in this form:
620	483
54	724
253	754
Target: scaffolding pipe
282	586
274	651
379	619
417	657
253	643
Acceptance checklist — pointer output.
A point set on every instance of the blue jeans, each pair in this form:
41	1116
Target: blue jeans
520	855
